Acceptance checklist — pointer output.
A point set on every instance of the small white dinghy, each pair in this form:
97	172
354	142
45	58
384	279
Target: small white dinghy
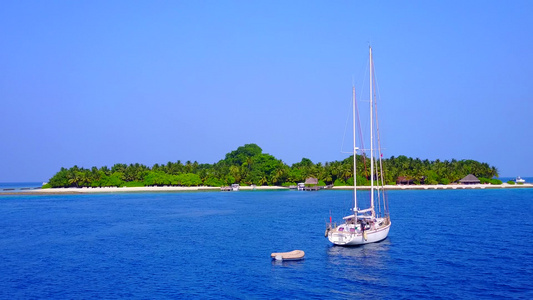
292	255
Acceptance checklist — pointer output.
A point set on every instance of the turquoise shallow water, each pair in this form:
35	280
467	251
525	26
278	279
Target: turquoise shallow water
448	244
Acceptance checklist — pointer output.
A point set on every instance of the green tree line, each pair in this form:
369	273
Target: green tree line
249	165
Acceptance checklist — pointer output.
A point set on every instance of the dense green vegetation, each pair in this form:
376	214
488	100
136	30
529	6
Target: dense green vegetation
249	165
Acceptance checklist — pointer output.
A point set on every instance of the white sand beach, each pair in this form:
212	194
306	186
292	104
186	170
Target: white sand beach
152	189
86	190
443	187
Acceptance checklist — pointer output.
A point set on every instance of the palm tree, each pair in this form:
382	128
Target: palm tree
249	162
494	172
188	166
347	172
119	168
95	174
73	176
236	173
83	178
262	180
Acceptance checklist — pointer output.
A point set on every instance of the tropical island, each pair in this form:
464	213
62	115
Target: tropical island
248	165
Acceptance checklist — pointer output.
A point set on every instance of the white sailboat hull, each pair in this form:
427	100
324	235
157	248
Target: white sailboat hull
345	238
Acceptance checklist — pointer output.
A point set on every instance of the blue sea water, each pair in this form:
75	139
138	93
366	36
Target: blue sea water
19	186
443	244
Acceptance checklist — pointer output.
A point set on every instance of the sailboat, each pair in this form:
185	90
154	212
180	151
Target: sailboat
370	224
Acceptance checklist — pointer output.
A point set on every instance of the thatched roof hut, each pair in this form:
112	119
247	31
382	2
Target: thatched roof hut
470	179
311	184
404	180
311	181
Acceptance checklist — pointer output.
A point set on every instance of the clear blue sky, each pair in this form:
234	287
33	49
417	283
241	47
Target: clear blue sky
93	83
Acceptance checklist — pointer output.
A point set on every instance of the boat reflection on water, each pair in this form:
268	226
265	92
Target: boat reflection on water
361	264
365	254
288	263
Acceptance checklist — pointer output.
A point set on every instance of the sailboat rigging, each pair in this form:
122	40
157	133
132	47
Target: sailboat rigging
365	225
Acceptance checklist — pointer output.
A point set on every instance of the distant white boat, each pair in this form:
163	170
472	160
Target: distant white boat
519	180
235	187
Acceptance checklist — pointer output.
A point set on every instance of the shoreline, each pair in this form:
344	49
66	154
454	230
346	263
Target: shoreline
442	187
145	189
97	190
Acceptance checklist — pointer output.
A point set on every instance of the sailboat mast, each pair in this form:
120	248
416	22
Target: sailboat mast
371	134
354	158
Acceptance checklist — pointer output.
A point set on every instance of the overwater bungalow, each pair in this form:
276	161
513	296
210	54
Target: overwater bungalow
311	184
